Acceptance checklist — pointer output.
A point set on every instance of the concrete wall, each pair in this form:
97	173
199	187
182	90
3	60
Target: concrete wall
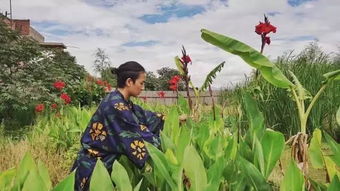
171	97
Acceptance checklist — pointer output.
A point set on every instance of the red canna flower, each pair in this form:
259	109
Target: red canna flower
186	59
66	98
39	108
267	39
174	82
59	85
54	106
161	94
264	28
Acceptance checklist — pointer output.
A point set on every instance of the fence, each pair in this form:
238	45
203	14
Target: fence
170	97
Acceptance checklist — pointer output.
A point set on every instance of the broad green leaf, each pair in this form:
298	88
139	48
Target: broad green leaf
34	182
183	104
6	178
67	184
170	156
166	142
330	167
161	164
314	151
194	169
255	116
215	175
100	179
253	175
211	76
231	149
171	125
293	179
120	177
26	165
335	184
179	65
332	76
43	172
251	56
183	141
273	144
338	116
258	156
138	185
335	147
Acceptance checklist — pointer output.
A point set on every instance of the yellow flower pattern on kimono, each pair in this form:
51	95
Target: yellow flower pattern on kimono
97	132
83	182
121	106
93	152
161	116
138	149
143	127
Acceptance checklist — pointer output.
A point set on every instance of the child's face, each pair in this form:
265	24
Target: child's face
136	88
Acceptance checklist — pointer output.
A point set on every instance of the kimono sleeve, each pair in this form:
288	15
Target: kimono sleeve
131	134
154	121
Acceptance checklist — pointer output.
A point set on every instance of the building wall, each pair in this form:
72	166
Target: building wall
22	26
36	35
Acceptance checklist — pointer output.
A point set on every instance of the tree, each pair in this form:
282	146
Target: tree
151	83
27	72
102	61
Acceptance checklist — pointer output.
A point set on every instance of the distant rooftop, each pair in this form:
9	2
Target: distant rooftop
23	26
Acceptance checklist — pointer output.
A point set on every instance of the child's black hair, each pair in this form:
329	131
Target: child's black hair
130	69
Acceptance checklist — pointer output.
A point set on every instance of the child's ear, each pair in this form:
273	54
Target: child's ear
129	82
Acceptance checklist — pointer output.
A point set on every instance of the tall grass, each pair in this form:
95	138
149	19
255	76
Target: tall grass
279	109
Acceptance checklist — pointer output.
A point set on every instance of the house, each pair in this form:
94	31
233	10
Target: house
23	27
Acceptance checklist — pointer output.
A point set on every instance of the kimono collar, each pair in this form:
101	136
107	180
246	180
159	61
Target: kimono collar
129	102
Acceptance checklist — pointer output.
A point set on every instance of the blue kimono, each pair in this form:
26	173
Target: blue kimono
118	127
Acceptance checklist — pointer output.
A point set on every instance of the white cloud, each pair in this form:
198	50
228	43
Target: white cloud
120	24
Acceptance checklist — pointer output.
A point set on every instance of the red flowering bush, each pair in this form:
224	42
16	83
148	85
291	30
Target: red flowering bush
66	98
59	85
39	108
54	106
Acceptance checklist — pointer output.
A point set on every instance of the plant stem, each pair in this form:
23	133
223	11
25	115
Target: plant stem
213	102
300	111
315	98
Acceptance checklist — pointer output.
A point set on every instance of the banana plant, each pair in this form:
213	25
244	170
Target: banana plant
207	84
274	76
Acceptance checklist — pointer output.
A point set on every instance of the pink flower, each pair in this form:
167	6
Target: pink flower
66	98
59	85
39	108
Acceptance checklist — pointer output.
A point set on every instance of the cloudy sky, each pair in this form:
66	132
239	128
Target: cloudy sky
153	31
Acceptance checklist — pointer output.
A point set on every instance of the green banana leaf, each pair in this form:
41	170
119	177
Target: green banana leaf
251	56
